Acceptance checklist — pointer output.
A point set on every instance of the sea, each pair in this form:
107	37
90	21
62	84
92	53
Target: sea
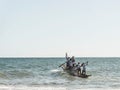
45	74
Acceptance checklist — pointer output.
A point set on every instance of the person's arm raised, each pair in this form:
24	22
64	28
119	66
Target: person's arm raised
66	55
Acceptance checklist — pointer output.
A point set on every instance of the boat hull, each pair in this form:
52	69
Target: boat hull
74	72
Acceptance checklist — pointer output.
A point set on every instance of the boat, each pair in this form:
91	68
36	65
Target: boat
73	72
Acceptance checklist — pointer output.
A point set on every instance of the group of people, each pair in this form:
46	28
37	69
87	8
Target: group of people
72	65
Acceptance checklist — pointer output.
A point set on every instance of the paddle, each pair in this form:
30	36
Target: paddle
62	64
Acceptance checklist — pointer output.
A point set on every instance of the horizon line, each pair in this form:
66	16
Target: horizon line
59	57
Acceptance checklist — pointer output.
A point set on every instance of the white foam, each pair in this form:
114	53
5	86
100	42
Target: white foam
3	87
55	70
31	88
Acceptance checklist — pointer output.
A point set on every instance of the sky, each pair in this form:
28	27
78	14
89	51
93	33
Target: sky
50	28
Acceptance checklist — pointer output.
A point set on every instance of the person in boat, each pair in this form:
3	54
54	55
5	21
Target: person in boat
67	58
68	61
78	68
74	70
84	68
73	61
70	64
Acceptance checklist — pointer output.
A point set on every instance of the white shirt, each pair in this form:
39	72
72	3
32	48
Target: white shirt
84	68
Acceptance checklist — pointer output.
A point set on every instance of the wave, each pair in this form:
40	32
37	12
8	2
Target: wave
16	74
3	75
22	87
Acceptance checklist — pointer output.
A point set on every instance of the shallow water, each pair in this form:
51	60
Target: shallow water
27	72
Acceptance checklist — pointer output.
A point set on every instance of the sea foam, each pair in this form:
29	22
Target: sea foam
3	87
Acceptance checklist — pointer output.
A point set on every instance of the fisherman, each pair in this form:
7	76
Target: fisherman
70	64
84	68
66	56
68	61
73	61
78	68
74	70
73	58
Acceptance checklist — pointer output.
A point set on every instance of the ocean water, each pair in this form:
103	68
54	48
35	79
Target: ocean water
44	74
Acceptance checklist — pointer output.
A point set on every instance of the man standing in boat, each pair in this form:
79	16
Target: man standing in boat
84	68
66	56
72	62
79	68
68	61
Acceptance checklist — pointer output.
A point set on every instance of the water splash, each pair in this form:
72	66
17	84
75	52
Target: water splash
55	70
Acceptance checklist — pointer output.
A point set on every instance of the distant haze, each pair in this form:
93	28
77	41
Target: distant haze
48	28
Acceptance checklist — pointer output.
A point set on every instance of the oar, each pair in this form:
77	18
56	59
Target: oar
62	64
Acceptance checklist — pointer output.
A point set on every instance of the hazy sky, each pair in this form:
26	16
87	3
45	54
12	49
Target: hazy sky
52	27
